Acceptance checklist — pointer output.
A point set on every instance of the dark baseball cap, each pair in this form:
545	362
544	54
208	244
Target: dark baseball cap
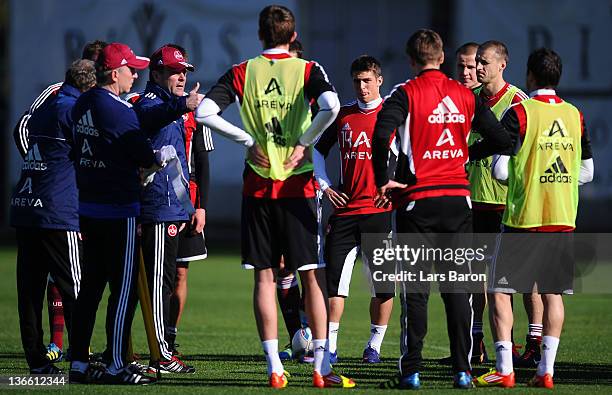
115	55
170	57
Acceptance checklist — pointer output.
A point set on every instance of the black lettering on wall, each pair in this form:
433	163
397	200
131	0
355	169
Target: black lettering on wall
227	36
539	36
149	21
188	37
585	33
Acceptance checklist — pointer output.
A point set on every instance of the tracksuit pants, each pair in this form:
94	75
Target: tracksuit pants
447	214
159	249
41	252
110	257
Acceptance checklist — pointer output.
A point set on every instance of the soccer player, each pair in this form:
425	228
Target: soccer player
542	197
20	135
434	115
287	289
353	202
160	110
488	194
192	241
44	209
465	58
465	64
279	207
110	150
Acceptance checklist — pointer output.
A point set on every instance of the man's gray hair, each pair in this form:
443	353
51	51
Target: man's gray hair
81	74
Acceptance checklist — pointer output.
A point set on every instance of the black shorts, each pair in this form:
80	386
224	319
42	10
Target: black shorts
444	214
191	247
343	245
528	261
487	225
487	221
288	227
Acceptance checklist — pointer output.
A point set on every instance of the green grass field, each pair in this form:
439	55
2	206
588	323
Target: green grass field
219	337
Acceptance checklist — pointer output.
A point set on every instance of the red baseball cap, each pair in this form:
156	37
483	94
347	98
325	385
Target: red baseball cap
115	55
170	57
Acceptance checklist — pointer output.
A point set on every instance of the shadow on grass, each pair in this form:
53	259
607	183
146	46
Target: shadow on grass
565	372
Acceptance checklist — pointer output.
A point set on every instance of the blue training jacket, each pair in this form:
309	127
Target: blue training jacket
46	194
160	115
110	149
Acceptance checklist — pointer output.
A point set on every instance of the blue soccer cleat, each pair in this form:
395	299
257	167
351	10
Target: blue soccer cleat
409	382
463	380
370	355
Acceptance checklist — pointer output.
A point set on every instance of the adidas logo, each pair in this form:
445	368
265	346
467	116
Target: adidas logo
86	126
557	167
503	281
34	153
500	348
33	160
446	112
556	173
346	128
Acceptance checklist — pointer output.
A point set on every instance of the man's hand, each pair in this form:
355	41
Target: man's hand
194	98
256	155
337	199
297	158
198	221
147	174
382	199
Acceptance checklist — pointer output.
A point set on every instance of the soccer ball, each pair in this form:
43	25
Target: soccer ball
302	341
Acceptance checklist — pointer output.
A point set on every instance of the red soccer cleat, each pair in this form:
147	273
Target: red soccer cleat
278	381
545	381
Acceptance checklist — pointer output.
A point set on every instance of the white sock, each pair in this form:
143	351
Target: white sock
377	334
550	345
79	366
270	348
333	336
503	357
321	356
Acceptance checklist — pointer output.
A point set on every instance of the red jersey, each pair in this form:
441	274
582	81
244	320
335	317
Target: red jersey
198	139
353	130
434	115
518	97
